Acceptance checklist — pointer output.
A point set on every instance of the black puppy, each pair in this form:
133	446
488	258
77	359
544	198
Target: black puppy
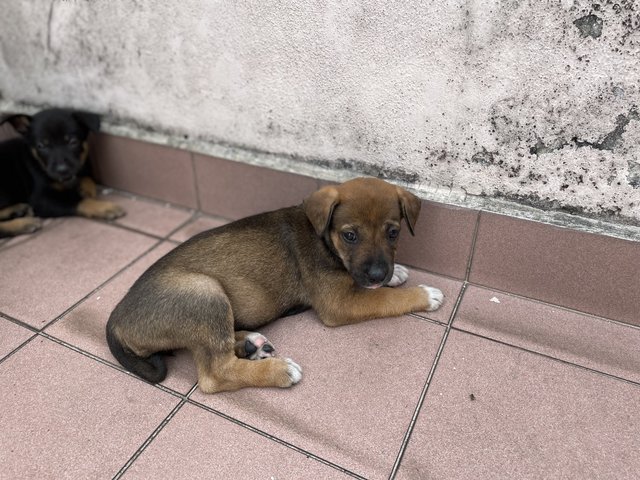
46	173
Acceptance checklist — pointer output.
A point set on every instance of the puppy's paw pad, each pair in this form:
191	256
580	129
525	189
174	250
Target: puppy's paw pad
294	371
400	275
436	297
256	346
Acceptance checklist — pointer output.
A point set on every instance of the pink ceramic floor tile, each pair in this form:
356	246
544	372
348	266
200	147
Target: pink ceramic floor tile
589	341
65	416
450	289
84	326
61	265
152	217
496	412
359	389
204	445
11	336
200	224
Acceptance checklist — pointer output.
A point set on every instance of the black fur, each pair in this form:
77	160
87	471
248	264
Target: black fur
44	167
152	368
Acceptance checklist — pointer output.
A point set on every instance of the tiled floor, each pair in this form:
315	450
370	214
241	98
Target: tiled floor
493	385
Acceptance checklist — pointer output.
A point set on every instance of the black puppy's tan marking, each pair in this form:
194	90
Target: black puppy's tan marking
18	219
48	170
335	253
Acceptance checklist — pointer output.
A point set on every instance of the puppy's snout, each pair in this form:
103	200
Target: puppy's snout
377	273
61	169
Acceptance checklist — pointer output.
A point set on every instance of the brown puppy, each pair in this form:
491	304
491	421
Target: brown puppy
334	253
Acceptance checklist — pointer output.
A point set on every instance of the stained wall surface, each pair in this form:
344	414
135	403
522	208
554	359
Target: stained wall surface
531	101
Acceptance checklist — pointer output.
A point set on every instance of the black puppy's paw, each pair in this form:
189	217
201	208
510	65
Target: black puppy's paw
22	210
16	211
20	226
102	209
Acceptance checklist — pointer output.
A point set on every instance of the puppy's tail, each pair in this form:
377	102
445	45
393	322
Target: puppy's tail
152	368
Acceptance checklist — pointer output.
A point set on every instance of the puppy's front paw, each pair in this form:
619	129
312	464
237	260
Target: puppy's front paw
21	210
400	275
254	346
294	371
20	226
435	297
92	208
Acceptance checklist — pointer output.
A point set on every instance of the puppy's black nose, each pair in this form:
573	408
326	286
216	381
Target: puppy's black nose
377	273
61	169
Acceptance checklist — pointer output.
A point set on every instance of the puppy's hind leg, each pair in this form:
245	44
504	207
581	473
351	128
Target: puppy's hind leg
152	368
228	372
220	369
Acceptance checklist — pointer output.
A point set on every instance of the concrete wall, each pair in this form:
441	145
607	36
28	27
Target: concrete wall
534	101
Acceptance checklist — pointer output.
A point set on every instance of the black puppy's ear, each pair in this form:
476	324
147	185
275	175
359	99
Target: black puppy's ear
89	120
319	208
20	122
410	207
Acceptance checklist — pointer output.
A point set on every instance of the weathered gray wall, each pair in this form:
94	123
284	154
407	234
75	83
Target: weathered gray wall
530	100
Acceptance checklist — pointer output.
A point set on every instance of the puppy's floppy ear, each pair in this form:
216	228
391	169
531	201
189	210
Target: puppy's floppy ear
319	208
89	120
410	207
20	122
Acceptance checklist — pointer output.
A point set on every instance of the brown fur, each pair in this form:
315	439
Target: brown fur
87	188
92	208
18	219
250	272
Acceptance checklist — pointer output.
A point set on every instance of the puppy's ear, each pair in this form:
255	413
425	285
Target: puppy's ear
319	208
89	120
20	122
410	207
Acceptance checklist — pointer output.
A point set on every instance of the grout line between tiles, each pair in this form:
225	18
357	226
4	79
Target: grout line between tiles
51	224
188	221
151	437
134	230
425	388
544	355
107	190
555	305
472	251
275	439
106	363
426	319
195	180
102	285
31	329
20	323
18	348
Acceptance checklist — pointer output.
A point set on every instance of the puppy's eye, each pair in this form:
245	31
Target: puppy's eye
41	146
350	237
393	233
73	141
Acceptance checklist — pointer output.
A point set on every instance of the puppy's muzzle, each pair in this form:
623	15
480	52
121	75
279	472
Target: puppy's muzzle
374	274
